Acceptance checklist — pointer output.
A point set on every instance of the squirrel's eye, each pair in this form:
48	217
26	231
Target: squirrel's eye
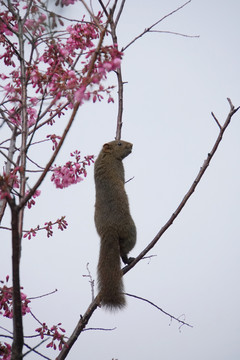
119	144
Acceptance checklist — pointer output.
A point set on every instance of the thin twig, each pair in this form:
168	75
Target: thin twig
119	12
163	311
156	23
41	296
103	7
174	33
35	351
10	332
91	280
102	329
79	328
6	336
119	75
218	123
94	18
10	161
9	157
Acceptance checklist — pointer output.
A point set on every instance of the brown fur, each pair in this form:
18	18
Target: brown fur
113	221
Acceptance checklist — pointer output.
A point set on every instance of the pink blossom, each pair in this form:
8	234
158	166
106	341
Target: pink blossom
4	195
79	94
42	18
34	101
110	99
30	233
9	89
66	2
5	351
8	182
55	332
6	302
71	173
31	202
54	139
29	23
107	66
32	115
116	63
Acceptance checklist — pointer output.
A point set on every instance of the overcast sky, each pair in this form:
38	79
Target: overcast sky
172	85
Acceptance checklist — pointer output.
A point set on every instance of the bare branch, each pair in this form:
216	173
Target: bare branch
189	193
102	329
156	23
216	120
41	296
79	328
9	157
174	33
163	311
120	104
35	351
91	280
103	7
10	332
119	75
10	161
119	12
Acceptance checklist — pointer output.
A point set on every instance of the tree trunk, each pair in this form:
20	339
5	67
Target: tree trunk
17	344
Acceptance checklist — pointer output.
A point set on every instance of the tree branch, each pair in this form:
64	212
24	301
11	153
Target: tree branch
174	33
156	23
163	311
119	12
9	157
79	328
97	301
119	75
190	191
17	344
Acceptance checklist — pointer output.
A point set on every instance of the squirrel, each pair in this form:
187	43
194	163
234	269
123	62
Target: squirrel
113	221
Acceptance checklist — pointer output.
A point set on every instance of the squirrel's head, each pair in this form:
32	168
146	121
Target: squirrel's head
118	148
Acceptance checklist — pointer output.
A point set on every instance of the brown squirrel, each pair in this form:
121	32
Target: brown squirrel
113	221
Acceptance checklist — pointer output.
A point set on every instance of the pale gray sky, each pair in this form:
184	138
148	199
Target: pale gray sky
173	84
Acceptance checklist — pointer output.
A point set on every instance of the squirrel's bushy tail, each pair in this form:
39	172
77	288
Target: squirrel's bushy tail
109	273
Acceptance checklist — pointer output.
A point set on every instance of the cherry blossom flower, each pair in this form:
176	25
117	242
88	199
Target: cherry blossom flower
71	172
6	301
32	202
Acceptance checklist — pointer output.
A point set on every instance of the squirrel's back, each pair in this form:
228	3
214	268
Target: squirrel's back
113	221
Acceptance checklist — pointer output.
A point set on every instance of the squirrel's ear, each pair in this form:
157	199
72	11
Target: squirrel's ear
106	147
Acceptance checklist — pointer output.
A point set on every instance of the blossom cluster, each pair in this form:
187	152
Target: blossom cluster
54	139
52	67
61	223
32	202
5	351
6	301
71	172
9	181
55	333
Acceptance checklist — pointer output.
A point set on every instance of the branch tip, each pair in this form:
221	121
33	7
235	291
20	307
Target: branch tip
230	103
216	120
